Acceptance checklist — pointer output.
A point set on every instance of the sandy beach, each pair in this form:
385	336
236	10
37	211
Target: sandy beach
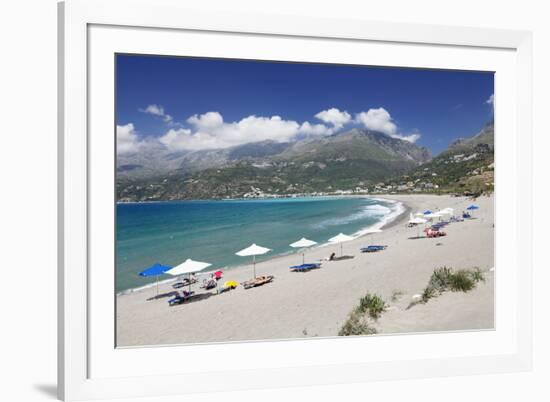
317	303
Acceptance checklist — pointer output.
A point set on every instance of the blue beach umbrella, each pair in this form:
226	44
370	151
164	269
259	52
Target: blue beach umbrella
472	207
155	270
428	212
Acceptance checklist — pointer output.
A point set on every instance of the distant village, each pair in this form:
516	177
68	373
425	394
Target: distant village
476	176
423	181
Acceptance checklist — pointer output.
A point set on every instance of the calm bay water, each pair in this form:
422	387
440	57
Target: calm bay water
212	231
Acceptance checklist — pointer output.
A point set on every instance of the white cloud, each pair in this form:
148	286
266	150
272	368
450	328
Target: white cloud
176	139
377	120
381	120
210	131
410	137
126	139
207	121
157	110
334	116
491	100
315	130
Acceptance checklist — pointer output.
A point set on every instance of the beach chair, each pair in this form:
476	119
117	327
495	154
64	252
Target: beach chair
373	248
259	281
179	299
305	267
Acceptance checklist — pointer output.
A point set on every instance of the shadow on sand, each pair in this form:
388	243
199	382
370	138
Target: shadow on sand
196	298
163	295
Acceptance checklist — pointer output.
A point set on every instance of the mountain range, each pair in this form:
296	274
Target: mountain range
349	160
466	166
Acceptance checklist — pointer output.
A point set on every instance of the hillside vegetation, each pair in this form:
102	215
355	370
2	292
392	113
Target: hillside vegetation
360	161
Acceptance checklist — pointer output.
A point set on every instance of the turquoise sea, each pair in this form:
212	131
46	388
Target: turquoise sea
212	231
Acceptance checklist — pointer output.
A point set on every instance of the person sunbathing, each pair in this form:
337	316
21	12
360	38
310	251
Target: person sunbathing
211	284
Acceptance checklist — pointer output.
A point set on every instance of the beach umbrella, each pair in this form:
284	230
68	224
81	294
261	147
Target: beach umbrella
472	208
303	243
427	212
446	211
155	270
432	215
416	221
340	238
189	266
253	251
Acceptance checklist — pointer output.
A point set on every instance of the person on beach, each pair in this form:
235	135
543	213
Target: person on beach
332	256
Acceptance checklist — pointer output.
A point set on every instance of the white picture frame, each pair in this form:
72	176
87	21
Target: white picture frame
89	365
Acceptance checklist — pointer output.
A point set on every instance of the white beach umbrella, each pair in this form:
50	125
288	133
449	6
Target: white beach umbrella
416	221
189	266
253	251
340	238
303	243
432	215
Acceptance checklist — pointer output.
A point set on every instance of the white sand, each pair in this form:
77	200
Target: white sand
317	303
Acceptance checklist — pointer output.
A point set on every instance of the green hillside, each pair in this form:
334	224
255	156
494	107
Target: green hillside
345	161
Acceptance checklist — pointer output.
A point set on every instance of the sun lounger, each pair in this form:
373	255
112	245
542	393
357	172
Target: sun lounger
372	248
179	299
343	257
259	281
305	267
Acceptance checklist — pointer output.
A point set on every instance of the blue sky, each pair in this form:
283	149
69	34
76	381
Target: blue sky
188	103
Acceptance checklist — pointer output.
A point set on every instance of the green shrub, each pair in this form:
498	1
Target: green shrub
461	281
356	325
440	279
428	293
373	304
444	279
477	275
